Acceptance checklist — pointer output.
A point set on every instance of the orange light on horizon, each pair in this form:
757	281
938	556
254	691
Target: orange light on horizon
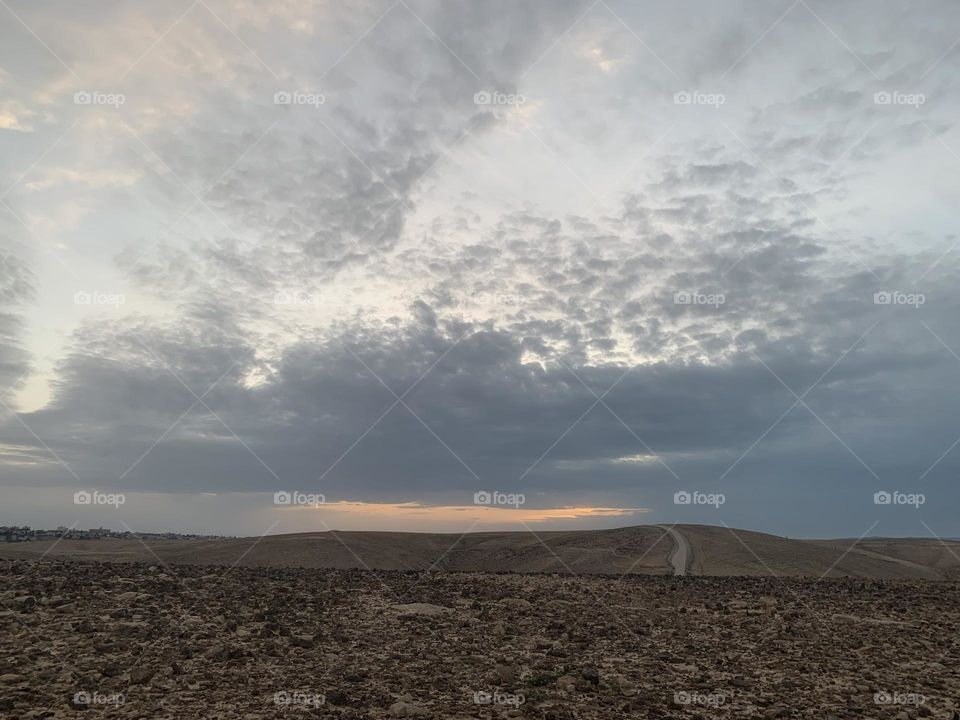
482	514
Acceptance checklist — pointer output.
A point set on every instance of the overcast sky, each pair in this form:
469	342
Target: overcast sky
399	253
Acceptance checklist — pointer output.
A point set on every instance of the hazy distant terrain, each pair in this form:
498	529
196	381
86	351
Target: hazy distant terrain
634	550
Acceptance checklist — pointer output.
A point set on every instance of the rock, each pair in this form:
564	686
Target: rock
302	641
140	675
421	609
336	697
505	674
404	708
220	651
620	684
196	649
133	628
24	603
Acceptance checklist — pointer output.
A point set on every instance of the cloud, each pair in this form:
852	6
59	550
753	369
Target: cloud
16	289
394	294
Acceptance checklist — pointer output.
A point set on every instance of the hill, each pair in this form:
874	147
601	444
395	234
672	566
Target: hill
643	549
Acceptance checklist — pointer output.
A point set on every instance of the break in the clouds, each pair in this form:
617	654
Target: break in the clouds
401	253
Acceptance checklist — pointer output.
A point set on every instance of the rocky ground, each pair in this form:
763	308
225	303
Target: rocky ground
144	641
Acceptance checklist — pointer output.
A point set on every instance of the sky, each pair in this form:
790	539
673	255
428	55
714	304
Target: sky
451	266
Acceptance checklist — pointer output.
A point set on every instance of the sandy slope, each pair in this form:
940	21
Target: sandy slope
730	551
642	549
699	549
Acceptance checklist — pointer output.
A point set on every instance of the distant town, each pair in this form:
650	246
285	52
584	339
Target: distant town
14	533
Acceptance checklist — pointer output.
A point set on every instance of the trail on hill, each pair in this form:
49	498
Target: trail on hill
681	556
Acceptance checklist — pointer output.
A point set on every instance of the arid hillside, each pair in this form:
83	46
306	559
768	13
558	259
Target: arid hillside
644	549
726	551
641	549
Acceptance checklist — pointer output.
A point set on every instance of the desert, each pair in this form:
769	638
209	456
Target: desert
479	359
251	639
639	549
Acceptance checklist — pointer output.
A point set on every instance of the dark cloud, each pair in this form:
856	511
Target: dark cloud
294	269
16	290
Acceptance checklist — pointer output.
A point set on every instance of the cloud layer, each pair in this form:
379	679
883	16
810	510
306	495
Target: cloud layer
405	252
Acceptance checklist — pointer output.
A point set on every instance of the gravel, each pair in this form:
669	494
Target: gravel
143	641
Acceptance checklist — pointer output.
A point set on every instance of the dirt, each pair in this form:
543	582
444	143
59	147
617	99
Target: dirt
133	640
642	549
